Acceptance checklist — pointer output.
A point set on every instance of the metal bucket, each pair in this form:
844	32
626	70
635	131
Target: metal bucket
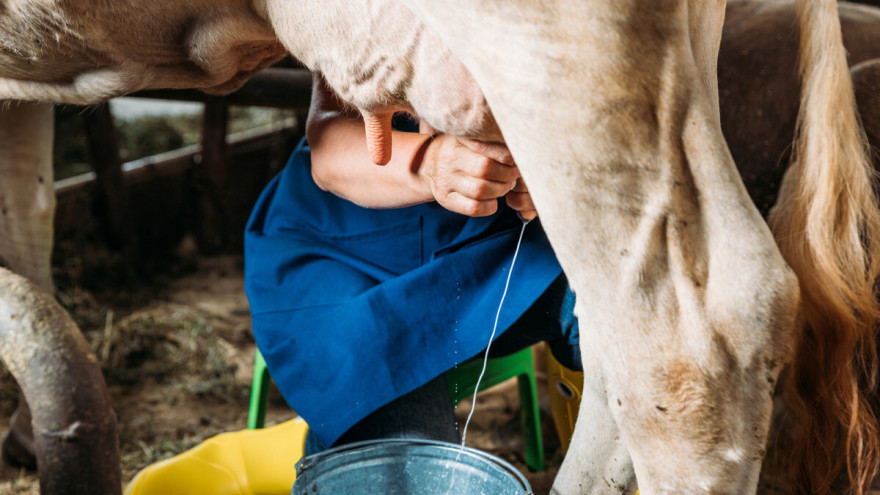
407	466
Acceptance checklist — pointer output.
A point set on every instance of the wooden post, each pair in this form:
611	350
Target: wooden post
114	203
212	235
214	141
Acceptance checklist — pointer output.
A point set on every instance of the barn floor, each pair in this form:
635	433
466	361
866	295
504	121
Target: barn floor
178	359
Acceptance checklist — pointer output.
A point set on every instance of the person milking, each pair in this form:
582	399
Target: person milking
367	283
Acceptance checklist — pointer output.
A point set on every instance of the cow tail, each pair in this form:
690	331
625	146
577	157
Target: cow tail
827	224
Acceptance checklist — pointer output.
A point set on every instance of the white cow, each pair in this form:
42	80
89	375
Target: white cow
688	310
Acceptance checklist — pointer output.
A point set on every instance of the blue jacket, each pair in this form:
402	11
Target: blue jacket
354	307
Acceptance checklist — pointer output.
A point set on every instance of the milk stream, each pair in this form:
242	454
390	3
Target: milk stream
491	338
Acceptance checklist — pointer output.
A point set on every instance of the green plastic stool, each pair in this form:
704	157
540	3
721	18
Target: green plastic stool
461	381
259	393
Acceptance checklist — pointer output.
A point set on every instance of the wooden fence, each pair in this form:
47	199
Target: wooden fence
146	207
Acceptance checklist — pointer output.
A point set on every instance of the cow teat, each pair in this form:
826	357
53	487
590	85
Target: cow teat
378	130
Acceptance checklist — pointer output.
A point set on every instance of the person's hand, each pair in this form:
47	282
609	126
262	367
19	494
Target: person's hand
520	200
467	176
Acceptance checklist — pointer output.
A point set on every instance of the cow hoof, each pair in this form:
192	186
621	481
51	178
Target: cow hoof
15	454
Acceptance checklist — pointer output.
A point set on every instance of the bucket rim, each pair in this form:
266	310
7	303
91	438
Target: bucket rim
308	462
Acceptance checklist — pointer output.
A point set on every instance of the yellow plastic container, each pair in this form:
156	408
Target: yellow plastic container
247	462
564	387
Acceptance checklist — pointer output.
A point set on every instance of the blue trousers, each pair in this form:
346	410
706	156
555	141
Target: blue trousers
427	412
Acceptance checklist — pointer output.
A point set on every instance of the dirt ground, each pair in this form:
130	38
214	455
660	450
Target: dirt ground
178	359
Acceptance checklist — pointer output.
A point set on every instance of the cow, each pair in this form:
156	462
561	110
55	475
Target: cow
690	309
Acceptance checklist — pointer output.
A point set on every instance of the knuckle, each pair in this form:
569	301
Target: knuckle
472	209
479	189
506	157
483	167
477	146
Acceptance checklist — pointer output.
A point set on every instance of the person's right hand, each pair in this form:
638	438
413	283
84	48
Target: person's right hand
467	176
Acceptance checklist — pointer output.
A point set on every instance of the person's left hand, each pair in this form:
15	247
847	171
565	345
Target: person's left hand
520	200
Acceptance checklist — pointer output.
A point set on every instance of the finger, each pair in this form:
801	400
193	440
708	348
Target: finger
519	201
522	203
528	215
467	206
478	189
378	130
495	151
520	186
487	169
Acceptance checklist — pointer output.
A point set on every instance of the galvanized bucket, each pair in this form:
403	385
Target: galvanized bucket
407	466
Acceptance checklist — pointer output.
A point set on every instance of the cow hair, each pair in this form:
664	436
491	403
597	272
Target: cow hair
827	224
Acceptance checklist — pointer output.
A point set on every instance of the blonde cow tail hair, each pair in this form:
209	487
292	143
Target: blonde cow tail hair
827	225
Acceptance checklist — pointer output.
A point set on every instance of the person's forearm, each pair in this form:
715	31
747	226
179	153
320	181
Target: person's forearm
341	164
463	175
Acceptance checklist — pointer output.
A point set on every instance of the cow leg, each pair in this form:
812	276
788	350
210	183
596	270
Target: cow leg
601	440
705	24
27	209
27	196
677	275
597	460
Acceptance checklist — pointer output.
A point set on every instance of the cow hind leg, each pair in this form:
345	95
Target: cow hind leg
27	210
689	305
597	460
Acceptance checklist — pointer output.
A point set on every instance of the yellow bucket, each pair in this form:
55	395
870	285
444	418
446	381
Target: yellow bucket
564	386
247	462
